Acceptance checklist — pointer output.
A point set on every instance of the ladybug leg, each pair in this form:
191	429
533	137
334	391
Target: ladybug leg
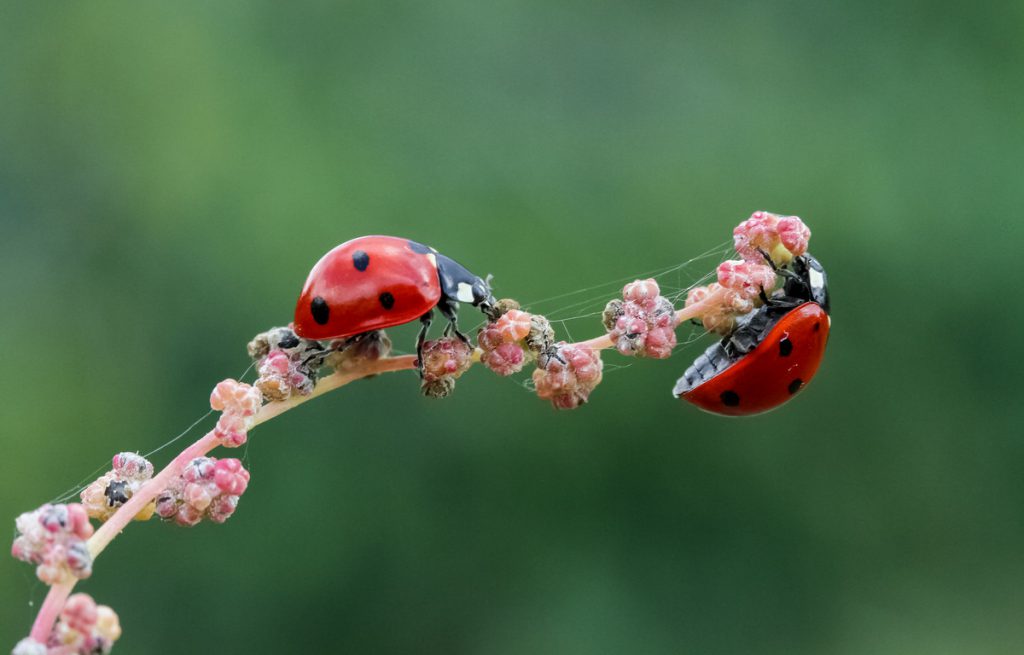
450	311
425	322
784	272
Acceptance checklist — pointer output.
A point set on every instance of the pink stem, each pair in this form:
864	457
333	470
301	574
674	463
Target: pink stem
684	314
58	594
51	607
124	515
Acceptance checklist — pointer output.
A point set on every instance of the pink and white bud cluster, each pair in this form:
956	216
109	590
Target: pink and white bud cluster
85	627
567	374
29	646
281	375
502	342
54	537
741	282
207	488
642	323
238	403
115	487
782	237
444	360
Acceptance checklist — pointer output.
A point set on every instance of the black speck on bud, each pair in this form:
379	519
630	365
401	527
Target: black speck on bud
438	388
501	308
278	338
612	312
541	337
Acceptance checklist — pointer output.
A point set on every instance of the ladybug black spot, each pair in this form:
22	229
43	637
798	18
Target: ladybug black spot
360	260
817	326
795	385
321	312
387	301
730	398
785	347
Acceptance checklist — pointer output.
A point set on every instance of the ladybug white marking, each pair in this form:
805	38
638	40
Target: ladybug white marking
465	293
817	281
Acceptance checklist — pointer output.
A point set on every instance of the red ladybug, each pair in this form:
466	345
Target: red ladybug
771	355
376	282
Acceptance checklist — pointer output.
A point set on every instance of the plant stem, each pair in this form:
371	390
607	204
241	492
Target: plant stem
682	315
50	608
60	591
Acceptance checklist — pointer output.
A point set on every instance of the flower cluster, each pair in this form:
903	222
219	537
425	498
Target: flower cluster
207	488
111	490
444	360
238	403
567	374
286	363
501	342
85	627
642	323
781	237
741	283
53	537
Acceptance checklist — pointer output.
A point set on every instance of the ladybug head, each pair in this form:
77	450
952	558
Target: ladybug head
459	284
809	282
482	296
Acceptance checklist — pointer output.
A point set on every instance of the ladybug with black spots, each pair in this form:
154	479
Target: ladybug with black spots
377	282
772	353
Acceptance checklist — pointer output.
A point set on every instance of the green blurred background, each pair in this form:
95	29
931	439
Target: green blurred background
169	172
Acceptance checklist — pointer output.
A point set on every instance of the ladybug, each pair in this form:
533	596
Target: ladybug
376	282
772	353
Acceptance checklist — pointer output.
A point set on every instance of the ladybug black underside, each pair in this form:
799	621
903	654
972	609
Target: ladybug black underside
749	332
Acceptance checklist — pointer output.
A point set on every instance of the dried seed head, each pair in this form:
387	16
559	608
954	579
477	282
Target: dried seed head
541	337
444	360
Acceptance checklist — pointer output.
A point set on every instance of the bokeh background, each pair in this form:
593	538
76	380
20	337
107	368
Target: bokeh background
170	171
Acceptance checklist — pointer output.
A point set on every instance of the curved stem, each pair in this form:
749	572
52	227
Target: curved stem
50	608
682	315
59	592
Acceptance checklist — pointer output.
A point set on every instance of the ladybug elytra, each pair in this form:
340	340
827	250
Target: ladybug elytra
375	282
772	353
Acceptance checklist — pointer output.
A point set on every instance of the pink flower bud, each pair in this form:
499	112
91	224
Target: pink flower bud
197	495
568	375
79	613
230	477
222	508
506	359
794	235
200	468
641	290
132	465
748	279
513	325
78	521
445	357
